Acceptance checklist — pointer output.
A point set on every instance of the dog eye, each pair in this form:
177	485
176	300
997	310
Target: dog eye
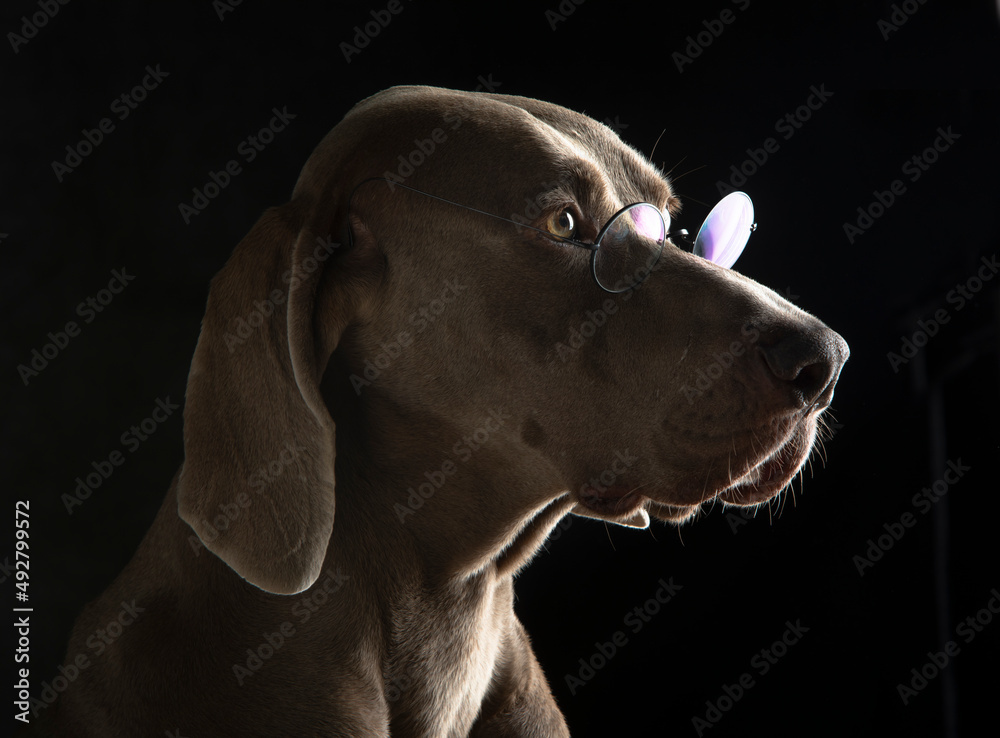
561	224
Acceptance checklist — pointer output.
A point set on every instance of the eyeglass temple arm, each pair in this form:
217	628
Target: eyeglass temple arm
681	234
393	183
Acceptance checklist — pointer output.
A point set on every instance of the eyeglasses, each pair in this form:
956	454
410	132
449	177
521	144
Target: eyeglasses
630	244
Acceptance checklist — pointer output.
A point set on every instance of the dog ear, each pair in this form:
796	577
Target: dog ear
257	484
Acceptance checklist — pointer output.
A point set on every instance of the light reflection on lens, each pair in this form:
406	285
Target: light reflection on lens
725	232
629	247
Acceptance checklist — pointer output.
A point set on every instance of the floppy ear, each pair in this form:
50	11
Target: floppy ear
257	484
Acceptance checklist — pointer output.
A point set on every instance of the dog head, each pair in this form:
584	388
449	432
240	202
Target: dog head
417	278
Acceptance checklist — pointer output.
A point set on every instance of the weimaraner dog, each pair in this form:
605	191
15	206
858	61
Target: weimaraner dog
406	376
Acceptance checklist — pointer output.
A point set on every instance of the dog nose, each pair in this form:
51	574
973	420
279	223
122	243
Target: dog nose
808	362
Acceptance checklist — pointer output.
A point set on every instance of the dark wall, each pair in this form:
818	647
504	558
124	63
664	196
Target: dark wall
877	211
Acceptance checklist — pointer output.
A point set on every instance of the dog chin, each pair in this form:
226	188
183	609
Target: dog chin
775	472
674	514
639	517
620	506
763	481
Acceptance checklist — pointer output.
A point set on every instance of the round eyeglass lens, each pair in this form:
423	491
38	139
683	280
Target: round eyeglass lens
629	247
724	234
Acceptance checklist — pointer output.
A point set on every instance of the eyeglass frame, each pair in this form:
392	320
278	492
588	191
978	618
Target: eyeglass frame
681	234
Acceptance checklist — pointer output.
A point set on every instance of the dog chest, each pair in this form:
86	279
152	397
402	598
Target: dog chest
446	654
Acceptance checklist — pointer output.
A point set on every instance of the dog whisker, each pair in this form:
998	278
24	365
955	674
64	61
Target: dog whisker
653	151
673	179
607	530
704	489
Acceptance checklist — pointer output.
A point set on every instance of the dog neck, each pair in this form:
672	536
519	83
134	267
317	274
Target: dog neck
450	521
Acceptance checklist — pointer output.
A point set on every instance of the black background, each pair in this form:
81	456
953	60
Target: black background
742	580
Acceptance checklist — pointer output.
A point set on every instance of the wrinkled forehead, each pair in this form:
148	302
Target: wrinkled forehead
592	160
509	155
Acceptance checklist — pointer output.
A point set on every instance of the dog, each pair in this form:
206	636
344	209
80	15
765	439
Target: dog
394	399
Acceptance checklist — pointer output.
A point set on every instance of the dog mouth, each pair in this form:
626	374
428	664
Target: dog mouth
767	475
774	472
616	503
